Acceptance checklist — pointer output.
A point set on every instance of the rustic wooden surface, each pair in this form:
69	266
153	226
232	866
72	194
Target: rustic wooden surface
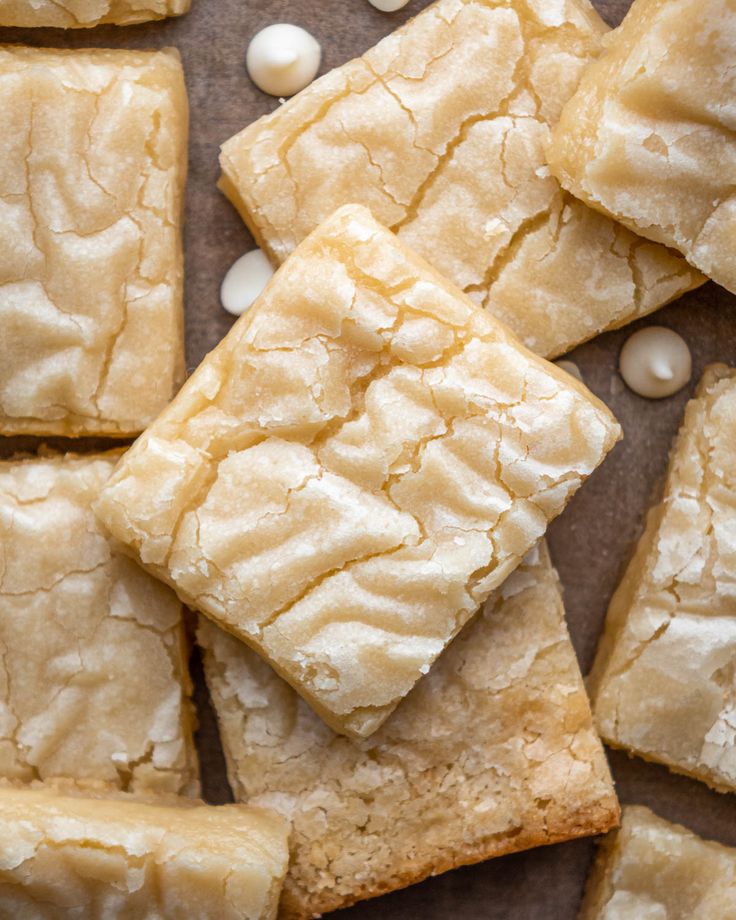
590	541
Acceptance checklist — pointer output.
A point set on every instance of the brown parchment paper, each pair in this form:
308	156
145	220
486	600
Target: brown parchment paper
589	542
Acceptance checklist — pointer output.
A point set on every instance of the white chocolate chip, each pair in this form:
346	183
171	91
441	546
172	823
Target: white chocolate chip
388	6
655	362
282	59
245	280
570	367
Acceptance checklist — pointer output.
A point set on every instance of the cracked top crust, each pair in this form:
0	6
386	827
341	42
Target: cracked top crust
345	479
663	679
94	162
440	130
649	136
116	859
94	682
492	752
651	869
83	14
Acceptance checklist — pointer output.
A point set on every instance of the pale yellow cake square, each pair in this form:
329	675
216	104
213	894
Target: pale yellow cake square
66	857
351	472
649	136
94	682
93	152
651	869
494	751
663	678
440	130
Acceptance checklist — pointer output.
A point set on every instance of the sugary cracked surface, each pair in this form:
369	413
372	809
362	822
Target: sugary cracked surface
653	870
440	130
93	660
649	135
93	154
350	473
492	752
65	857
83	14
663	681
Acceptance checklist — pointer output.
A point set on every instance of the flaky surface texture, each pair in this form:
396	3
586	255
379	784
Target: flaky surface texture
69	857
663	679
651	869
649	135
492	752
94	684
440	130
83	14
93	156
347	477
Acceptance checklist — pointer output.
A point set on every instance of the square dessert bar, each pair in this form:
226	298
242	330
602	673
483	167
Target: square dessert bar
94	685
83	14
492	752
649	136
65	857
440	130
651	869
93	155
663	678
351	472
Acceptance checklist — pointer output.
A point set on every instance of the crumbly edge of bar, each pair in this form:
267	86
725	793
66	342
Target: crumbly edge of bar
585	822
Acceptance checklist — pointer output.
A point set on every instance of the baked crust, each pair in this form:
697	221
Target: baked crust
648	136
662	682
492	752
118	858
83	14
94	683
650	868
91	191
345	479
440	130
